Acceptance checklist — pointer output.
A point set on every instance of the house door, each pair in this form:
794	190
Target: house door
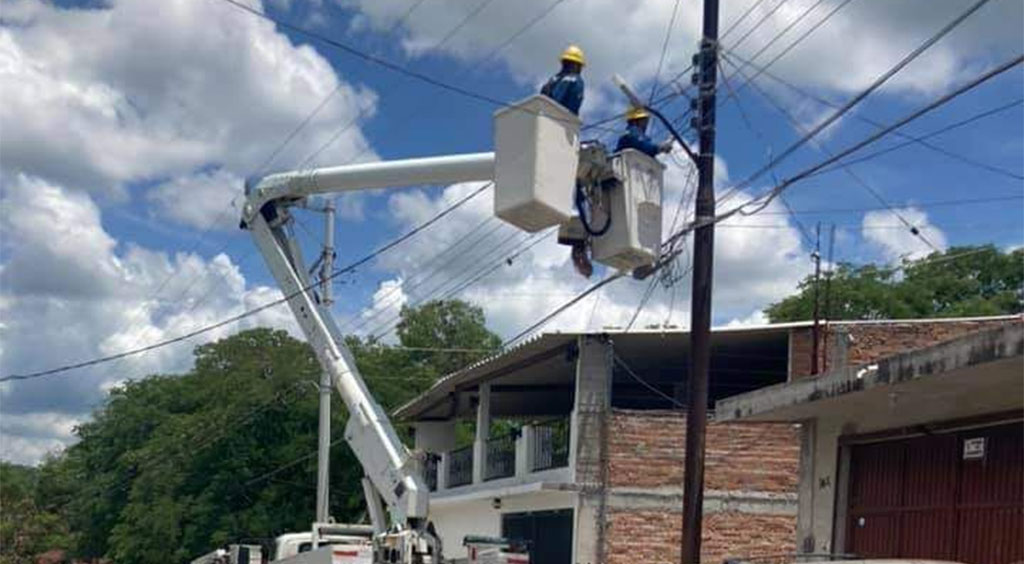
549	534
953	496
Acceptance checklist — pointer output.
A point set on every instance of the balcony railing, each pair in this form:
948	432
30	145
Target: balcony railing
535	447
460	467
501	457
430	470
550	445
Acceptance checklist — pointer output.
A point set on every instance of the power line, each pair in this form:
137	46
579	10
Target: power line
774	192
930	204
664	50
762	201
807	33
554	313
984	77
786	29
875	85
763	19
742	17
645	383
821	147
368	57
351	267
1002	108
874	123
323	103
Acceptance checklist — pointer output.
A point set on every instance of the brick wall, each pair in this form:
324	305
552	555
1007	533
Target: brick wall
653	537
871	342
645	449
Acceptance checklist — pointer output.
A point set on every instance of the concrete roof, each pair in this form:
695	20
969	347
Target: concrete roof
987	362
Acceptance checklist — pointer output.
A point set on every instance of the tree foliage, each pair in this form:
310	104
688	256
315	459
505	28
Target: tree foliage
962	281
27	528
173	466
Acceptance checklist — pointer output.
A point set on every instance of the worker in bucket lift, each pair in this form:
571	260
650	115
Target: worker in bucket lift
566	87
636	137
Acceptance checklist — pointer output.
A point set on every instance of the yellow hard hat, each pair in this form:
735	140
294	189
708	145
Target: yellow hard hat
574	54
637	112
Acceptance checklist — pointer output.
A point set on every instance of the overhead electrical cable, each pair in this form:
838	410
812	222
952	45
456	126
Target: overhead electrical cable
250	312
664	50
795	123
849	105
874	123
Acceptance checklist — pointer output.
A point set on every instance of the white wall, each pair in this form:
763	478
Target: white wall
454	520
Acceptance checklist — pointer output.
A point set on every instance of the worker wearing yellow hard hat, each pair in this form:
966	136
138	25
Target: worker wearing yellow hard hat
636	136
566	87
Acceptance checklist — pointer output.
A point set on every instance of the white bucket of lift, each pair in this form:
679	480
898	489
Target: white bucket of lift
536	144
634	237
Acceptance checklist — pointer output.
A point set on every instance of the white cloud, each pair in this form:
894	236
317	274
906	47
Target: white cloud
203	200
27	438
753	267
856	45
101	98
884	230
72	291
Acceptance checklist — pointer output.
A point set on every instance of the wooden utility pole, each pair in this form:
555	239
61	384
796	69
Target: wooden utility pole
706	70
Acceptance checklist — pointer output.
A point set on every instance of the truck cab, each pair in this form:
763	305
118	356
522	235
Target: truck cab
342	544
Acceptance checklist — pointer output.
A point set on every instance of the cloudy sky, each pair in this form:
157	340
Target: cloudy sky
128	126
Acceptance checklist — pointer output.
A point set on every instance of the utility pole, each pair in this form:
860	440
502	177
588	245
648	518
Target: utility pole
323	469
700	311
828	290
816	328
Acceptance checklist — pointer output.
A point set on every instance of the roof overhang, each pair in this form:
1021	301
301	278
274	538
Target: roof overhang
980	372
548	360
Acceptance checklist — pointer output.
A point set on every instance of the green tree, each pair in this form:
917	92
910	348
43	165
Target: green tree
962	281
172	466
446	324
28	527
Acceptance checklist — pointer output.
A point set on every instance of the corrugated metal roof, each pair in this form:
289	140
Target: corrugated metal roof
478	371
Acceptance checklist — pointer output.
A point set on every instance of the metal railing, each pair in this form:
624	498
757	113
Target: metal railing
501	457
550	444
430	470
460	467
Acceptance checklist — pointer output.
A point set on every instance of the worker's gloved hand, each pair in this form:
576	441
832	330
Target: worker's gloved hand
666	146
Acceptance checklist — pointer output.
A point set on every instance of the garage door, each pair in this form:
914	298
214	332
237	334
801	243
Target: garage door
548	534
952	496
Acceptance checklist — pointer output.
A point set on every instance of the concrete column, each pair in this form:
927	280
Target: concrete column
483	432
825	482
588	439
442	471
805	496
524	451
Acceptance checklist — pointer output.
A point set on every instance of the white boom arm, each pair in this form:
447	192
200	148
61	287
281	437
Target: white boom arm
385	460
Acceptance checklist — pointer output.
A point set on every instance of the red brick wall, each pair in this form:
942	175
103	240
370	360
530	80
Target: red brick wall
645	449
653	537
872	342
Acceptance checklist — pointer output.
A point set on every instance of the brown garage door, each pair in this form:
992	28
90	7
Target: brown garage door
928	497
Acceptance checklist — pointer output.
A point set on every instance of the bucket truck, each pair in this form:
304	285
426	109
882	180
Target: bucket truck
535	171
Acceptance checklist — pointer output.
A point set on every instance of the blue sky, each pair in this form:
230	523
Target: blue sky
127	132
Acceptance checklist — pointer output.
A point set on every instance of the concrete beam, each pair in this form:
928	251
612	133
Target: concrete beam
970	351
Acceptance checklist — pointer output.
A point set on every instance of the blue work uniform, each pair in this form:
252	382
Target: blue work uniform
636	138
566	89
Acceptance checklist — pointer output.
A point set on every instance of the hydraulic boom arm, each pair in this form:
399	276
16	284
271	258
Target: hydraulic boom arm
385	460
